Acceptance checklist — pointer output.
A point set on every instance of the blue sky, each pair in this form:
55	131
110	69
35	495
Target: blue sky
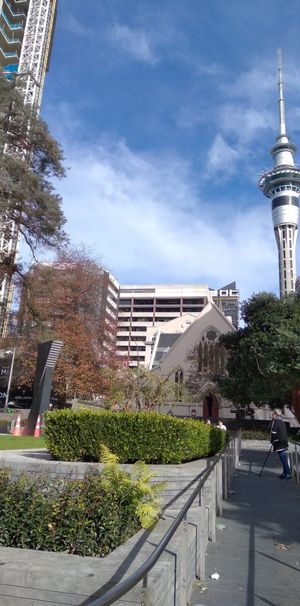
166	110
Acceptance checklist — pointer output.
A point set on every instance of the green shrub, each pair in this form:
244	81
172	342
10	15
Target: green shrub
89	517
255	434
142	436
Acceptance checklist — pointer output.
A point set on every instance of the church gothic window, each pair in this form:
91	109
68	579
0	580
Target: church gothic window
178	384
211	355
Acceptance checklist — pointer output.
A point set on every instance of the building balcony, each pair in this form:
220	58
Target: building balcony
8	58
8	43
19	4
15	13
112	302
17	26
10	70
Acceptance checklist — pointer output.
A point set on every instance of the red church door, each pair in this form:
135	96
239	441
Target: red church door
210	407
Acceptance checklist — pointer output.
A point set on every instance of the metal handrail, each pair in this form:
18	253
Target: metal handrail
123	587
294	459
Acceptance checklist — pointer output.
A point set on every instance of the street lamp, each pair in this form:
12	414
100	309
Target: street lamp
13	352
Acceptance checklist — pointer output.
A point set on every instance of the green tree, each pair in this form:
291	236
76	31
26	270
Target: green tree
263	362
137	388
29	160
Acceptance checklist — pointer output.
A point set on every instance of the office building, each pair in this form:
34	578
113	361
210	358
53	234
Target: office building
95	301
145	306
109	310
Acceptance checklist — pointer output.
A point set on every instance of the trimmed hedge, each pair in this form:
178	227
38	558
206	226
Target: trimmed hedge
141	436
255	434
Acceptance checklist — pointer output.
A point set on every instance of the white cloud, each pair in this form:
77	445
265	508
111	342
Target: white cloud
75	27
254	84
211	69
246	112
222	158
246	124
143	218
188	117
135	42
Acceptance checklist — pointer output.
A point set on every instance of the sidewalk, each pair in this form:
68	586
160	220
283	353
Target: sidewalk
257	554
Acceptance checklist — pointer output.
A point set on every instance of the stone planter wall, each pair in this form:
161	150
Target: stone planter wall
32	578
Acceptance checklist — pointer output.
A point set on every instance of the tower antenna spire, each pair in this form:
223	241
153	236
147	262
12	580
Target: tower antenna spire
282	125
282	185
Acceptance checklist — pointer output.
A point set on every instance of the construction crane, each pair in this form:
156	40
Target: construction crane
26	35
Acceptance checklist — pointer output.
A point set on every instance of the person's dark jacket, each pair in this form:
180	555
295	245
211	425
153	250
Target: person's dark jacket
279	437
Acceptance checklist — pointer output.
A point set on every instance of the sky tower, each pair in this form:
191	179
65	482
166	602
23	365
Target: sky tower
282	185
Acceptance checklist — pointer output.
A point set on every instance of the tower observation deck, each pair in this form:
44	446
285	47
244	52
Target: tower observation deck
26	32
282	185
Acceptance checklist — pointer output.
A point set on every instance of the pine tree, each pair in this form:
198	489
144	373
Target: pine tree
29	159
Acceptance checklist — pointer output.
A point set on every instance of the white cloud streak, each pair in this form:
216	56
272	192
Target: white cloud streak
142	216
71	24
222	158
134	42
243	116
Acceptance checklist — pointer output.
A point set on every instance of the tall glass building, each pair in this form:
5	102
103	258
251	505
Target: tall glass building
26	31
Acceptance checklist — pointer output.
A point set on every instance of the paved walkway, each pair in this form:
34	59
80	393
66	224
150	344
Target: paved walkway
257	554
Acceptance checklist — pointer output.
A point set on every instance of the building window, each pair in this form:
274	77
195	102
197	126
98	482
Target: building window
194	308
178	384
143	302
158	319
136	348
167	302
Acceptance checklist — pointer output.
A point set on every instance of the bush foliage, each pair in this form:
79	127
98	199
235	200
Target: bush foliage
89	517
142	436
255	434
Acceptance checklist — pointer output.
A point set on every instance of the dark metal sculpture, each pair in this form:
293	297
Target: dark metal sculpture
48	353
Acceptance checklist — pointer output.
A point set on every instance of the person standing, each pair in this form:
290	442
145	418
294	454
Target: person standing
279	440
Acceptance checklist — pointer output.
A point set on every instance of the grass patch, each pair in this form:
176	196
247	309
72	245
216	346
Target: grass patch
13	443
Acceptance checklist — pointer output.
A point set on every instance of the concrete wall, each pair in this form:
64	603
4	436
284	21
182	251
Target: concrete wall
32	578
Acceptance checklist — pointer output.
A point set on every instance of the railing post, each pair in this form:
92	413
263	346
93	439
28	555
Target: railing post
212	508
233	459
229	465
291	462
224	475
144	595
184	562
219	488
229	468
237	450
296	463
201	539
